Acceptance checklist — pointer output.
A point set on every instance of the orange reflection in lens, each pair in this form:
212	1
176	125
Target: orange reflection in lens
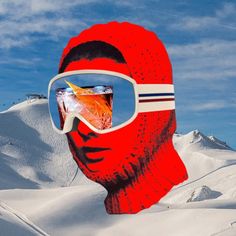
96	108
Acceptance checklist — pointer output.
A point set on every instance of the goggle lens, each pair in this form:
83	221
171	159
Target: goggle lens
104	101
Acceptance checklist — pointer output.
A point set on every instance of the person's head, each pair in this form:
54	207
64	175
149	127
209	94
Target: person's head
121	158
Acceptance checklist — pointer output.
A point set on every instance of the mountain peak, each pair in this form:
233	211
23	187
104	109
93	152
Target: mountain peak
196	138
203	193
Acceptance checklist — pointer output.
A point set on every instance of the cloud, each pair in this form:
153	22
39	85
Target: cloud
220	19
232	123
204	73
228	9
213	105
20	8
20	62
206	60
22	19
194	23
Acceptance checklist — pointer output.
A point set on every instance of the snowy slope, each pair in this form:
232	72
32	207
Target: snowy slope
14	223
35	163
32	154
202	154
79	210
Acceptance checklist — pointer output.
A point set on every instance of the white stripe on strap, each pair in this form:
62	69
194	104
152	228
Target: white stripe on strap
155	88
156	106
156	97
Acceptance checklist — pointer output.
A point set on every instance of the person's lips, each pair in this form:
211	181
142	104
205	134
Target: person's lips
93	154
94	149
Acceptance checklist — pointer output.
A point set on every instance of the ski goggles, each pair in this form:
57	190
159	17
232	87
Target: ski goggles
103	100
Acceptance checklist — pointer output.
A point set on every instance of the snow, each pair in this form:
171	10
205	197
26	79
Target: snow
12	222
31	151
43	193
201	154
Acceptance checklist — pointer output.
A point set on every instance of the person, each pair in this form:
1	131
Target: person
135	161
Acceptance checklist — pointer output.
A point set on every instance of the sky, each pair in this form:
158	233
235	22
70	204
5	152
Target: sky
200	37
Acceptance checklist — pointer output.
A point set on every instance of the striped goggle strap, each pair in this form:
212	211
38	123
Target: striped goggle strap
155	97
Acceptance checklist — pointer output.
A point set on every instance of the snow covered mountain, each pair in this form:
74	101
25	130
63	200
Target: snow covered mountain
32	154
202	154
40	183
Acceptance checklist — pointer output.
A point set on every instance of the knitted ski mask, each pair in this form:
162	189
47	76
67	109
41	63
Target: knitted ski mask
137	164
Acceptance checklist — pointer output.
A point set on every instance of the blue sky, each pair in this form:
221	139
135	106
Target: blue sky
200	37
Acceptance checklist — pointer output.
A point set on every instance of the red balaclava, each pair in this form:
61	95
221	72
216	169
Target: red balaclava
137	164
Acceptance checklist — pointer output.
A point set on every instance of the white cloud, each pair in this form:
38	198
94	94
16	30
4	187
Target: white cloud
23	18
19	8
53	19
213	105
9	42
194	23
205	73
228	9
44	6
206	60
204	48
20	61
219	19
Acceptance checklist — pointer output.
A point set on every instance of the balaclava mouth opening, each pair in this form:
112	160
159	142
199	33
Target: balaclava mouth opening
140	164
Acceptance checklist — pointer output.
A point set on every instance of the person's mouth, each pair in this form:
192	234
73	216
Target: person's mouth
88	155
93	154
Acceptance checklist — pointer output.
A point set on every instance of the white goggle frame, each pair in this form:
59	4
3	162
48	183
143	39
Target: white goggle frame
148	98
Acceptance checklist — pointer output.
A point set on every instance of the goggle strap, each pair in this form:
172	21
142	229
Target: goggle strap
155	97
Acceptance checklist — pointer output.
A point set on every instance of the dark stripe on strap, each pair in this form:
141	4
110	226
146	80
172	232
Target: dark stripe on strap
157	100
156	94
